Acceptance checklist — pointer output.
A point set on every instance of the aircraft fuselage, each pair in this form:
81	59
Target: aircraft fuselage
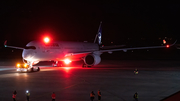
56	50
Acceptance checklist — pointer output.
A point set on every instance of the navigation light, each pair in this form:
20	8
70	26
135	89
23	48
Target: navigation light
167	46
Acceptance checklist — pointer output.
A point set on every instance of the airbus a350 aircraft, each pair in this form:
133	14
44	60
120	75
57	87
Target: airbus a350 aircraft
48	50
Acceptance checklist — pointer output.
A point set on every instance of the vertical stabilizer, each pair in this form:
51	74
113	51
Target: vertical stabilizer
98	35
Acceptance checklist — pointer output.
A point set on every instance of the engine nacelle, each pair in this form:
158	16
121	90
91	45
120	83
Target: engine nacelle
92	59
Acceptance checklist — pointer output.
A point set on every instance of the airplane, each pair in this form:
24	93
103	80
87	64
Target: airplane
48	50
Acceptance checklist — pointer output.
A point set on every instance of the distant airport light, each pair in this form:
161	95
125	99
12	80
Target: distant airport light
67	61
167	46
164	41
46	40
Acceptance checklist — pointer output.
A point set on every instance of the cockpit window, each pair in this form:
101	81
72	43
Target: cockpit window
30	47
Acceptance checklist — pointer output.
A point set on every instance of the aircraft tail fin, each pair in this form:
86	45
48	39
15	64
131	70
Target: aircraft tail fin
98	35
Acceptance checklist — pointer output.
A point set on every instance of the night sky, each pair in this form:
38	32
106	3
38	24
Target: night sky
24	21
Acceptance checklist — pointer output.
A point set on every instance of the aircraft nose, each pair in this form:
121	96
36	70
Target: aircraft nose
27	54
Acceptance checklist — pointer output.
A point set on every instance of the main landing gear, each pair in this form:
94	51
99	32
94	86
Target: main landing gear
33	69
57	64
85	65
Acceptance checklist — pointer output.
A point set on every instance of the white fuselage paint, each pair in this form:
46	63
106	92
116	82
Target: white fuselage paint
56	51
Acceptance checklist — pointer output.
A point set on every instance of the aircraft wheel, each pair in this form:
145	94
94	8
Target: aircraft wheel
89	66
59	65
38	69
84	66
32	70
54	65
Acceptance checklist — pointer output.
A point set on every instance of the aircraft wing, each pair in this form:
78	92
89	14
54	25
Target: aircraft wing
115	46
81	54
5	45
125	49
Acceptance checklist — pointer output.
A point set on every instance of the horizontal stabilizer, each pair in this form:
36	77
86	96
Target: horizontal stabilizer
5	45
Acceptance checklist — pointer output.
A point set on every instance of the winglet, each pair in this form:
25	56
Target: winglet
5	43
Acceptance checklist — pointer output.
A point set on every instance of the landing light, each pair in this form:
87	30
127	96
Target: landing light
67	61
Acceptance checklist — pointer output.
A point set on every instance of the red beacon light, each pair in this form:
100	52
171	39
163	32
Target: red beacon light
46	40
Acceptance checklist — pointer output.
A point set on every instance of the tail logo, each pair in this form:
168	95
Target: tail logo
98	35
99	38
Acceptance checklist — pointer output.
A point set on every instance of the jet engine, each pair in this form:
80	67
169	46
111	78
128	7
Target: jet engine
92	59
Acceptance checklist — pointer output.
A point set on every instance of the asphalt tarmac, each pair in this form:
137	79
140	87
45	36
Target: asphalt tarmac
157	79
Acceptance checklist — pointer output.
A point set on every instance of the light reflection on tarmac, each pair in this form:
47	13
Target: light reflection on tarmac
2	68
156	80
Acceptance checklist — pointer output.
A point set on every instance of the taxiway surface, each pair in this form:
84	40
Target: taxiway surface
156	80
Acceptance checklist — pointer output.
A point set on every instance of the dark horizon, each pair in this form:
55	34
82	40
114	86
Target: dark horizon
123	22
